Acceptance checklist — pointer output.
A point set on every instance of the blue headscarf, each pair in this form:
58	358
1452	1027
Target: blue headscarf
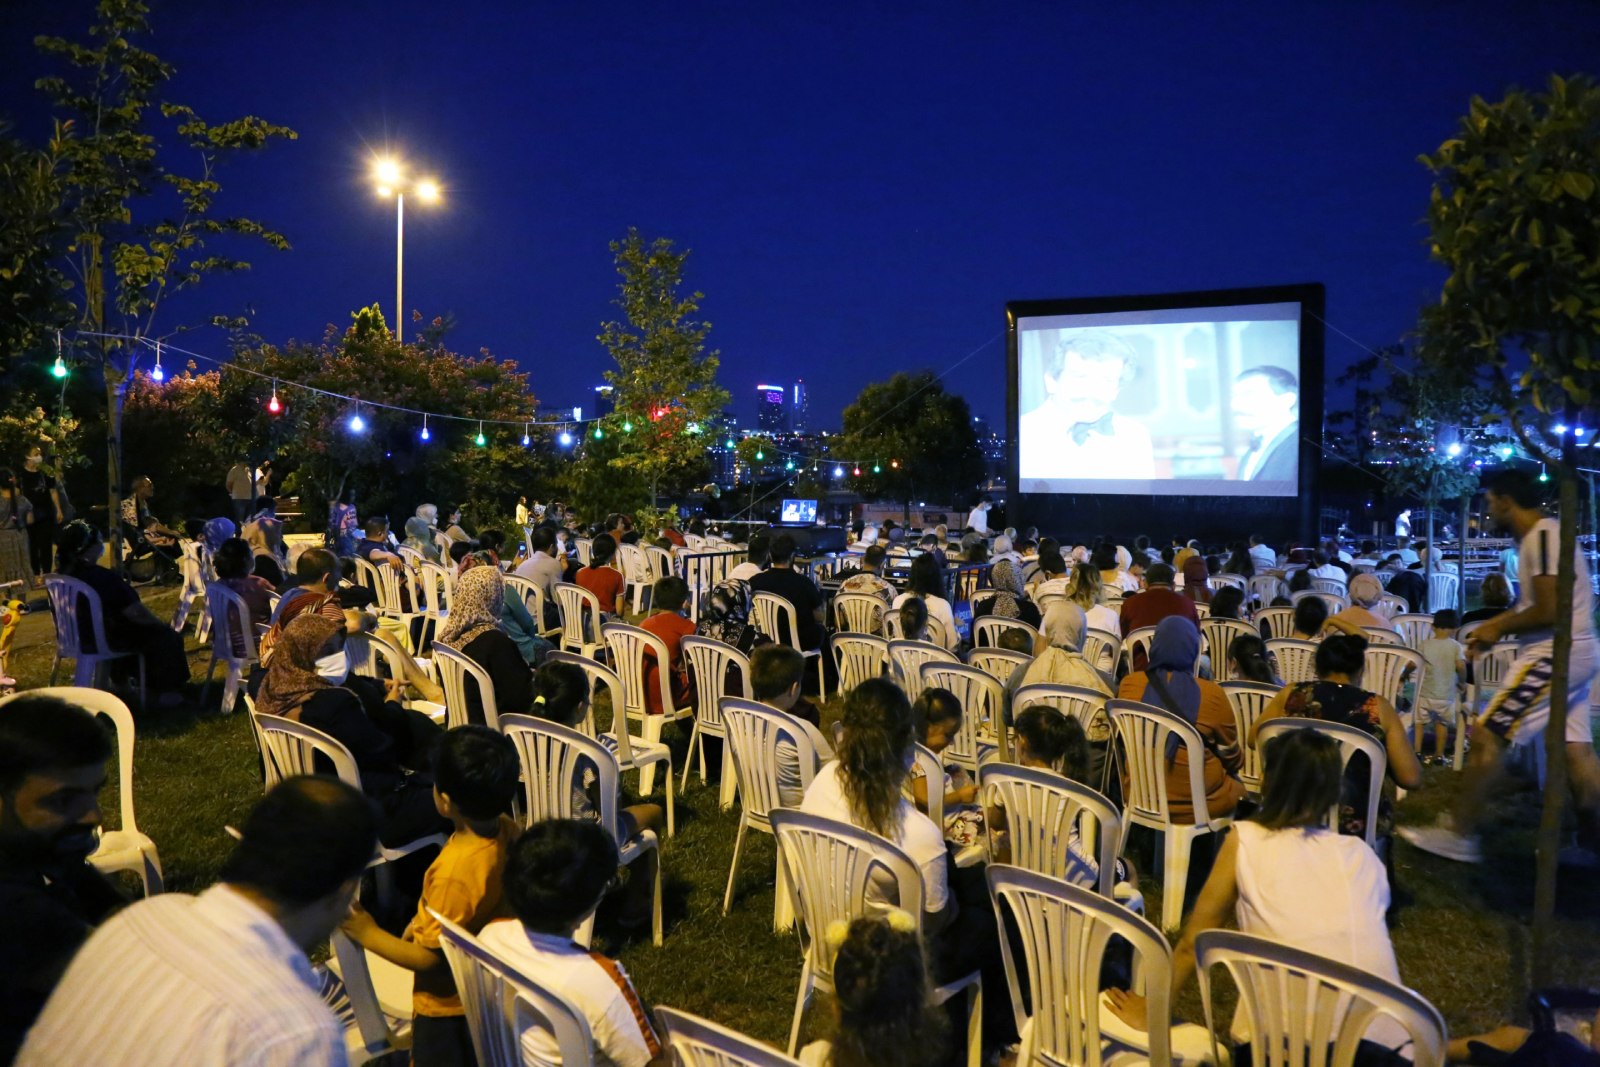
217	531
1173	652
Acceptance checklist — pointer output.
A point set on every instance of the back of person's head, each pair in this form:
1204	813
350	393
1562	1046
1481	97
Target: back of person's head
1521	486
1051	563
1249	656
1055	740
315	566
878	733
39	734
542	539
774	670
1159	574
1226	602
936	707
556	873
1310	615
782	550
560	693
914	619
760	546
492	540
926	578
670	593
1300	581
873	557
1104	557
1496	591
1365	590
1368	547
881	987
1343	654
233	558
1002	545
928	541
375	527
304	840
1446	620
460	550
601	549
1302	773
477	768
1014	639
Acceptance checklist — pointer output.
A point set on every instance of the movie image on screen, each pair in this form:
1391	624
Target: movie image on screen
799	511
1179	401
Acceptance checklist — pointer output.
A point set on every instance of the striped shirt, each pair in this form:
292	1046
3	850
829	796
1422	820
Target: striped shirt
594	984
211	979
1540	556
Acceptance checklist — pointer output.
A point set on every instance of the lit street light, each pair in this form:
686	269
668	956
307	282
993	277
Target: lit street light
390	180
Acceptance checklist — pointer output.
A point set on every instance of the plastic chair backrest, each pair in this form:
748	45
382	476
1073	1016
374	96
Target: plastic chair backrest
502	1004
230	617
366	651
1101	648
585	549
1442	590
709	661
532	596
1042	809
1296	660
635	568
659	560
1237	581
1310	1011
368	579
908	658
1414	627
1217	635
66	594
982	701
1275	623
289	748
1064	931
598	676
998	663
1334	602
832	869
1143	731
580	615
628	645
438	588
553	758
412	557
859	613
859	657
697	1042
777	618
926	762
1384	667
987	630
1489	671
753	731
1248	700
455	670
99	702
1267	587
1382	635
1138	638
1074	701
1351	740
1336	586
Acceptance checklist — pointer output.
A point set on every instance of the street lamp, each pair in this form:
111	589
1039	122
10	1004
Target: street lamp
391	180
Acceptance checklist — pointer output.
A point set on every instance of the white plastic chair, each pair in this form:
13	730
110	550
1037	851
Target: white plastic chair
859	657
1296	660
1351	740
1442	587
1275	623
1265	588
437	585
634	753
987	630
1102	648
532	599
998	663
1042	808
1334	602
859	613
289	748
1414	628
1489	673
639	581
1236	581
89	668
1136	639
194	588
983	702
1382	635
553	757
1216	635
585	549
709	662
456	670
1309	1011
230	616
908	657
1391	604
378	991
1248	700
775	616
697	1042
831	867
1385	669
936	633
580	619
1336	586
1143	731
752	741
1065	931
503	1004
125	848
628	646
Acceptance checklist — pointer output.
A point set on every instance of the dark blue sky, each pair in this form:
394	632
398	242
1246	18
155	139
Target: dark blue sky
863	185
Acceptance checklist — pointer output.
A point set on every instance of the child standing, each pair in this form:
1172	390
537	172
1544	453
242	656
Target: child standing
1442	682
475	779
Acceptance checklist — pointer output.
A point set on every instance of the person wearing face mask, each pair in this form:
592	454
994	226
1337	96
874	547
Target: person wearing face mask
309	681
52	767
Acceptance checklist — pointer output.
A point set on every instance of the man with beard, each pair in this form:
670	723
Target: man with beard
52	768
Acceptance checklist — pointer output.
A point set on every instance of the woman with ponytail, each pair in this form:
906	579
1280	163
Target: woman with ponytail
881	995
1247	661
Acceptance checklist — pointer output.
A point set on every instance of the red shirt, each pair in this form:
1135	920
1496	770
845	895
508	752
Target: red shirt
675	537
1150	607
672	628
604	582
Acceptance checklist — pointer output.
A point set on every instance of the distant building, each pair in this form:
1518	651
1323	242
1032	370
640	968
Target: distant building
603	403
800	409
770	414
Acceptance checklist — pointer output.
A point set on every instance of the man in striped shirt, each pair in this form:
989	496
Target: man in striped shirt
223	978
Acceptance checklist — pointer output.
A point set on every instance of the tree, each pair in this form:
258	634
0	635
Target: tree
665	385
913	440
1513	218
139	229
33	240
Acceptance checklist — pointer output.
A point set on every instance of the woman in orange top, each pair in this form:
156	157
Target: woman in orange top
602	579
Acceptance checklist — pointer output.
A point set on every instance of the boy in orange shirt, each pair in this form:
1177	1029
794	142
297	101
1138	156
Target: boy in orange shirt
475	779
667	599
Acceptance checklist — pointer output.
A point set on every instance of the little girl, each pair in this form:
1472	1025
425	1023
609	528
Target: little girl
881	987
938	719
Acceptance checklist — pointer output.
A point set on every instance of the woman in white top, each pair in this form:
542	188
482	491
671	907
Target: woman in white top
1287	877
927	582
1084	589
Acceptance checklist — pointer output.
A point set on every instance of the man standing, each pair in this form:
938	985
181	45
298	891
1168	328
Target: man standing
1266	405
241	484
1074	433
1520	708
42	491
52	768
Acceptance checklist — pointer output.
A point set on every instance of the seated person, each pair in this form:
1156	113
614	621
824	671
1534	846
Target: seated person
475	780
233	563
1227	603
556	875
938	723
602	579
144	531
1310	616
1365	594
419	539
515	618
374	545
881	996
869	579
781	579
668	598
925	582
775	675
1008	601
474	628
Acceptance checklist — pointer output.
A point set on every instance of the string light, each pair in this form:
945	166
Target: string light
526	440
858	472
730	444
789	466
425	435
895	464
760	455
875	468
565	439
156	373
60	369
357	424
838	472
599	434
480	440
274	406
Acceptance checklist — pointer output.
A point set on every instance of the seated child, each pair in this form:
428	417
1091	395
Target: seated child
555	878
475	779
938	720
775	675
881	998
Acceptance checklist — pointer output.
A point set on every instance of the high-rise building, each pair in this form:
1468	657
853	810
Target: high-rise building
801	408
770	408
603	400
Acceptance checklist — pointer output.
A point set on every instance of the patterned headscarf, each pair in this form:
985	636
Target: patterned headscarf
1174	650
217	531
480	597
1007	583
292	677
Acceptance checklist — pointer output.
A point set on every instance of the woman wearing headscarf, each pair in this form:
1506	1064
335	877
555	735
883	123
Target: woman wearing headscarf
1197	579
1169	682
420	540
475	628
1061	661
1009	601
515	618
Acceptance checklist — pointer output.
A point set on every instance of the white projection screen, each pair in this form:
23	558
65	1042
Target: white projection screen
1190	401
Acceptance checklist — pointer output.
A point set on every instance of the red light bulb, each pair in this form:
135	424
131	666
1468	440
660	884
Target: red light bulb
273	406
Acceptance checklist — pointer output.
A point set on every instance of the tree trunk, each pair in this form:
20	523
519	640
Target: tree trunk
1461	557
116	394
1555	782
1433	547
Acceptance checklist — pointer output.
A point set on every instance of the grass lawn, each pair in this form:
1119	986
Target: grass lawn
1464	943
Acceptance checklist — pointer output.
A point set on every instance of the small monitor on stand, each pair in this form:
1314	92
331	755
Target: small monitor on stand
799	512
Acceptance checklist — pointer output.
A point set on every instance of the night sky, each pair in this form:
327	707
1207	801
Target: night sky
863	185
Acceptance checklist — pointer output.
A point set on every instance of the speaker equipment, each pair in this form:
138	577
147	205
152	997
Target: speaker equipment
812	540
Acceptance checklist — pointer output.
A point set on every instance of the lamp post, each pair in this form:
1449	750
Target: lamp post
391	181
